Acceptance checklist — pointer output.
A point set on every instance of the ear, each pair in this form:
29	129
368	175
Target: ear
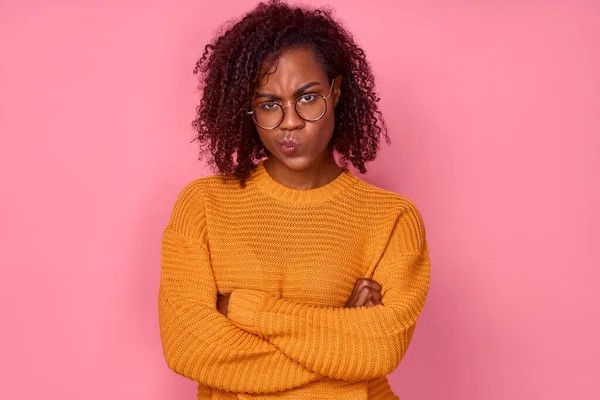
337	90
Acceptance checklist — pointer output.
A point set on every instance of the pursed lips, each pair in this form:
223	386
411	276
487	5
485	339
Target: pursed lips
289	143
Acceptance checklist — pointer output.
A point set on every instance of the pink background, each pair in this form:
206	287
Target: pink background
494	113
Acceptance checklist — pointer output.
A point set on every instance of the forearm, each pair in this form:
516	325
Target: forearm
342	343
214	352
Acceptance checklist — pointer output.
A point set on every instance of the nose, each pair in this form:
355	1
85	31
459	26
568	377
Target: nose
291	120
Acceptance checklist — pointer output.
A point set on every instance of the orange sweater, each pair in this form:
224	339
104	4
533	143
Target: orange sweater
290	259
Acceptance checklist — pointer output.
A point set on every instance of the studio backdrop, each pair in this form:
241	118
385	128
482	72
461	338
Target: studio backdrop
493	109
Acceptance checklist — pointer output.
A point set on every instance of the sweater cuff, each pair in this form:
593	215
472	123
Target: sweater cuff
244	308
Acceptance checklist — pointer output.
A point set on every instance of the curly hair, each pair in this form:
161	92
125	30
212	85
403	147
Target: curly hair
230	69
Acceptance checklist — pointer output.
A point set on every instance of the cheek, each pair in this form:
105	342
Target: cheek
268	138
323	129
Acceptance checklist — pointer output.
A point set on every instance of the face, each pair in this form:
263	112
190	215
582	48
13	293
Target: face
296	143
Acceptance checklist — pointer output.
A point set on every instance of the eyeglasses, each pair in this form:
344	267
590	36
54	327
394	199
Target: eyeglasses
310	107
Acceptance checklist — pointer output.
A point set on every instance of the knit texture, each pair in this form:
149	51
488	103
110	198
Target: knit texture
290	259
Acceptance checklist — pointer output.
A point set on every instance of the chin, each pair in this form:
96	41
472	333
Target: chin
294	163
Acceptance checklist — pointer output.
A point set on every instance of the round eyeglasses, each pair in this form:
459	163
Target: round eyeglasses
310	107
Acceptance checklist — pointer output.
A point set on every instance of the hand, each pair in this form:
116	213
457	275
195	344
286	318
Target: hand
223	303
366	292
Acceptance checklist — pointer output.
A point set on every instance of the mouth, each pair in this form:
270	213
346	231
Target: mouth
289	147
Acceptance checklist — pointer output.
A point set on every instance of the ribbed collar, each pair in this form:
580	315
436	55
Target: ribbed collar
320	194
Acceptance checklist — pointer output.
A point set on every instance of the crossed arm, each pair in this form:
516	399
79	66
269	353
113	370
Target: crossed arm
349	343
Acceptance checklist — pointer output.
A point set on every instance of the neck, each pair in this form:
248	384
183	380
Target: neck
317	174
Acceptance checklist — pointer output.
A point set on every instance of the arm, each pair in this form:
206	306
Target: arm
198	342
349	343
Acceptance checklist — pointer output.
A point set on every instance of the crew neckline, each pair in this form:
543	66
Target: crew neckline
320	194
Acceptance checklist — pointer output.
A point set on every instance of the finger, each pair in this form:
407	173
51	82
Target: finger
358	285
371	283
375	284
375	294
361	298
375	289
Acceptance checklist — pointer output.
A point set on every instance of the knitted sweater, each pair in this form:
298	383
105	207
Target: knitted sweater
290	259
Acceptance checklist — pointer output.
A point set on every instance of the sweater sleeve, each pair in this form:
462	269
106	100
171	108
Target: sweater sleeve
198	341
349	343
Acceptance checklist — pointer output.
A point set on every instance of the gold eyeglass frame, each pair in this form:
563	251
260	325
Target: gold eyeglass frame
281	107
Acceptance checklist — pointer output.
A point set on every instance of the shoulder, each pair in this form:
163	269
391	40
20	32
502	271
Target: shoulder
189	208
200	189
192	194
395	217
384	200
389	211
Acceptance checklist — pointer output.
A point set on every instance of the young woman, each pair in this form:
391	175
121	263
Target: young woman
284	275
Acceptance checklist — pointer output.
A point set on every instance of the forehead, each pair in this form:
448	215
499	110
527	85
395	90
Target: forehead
292	69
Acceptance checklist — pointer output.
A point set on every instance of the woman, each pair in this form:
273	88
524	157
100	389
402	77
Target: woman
290	277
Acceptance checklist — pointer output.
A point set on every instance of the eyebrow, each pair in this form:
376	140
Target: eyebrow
299	91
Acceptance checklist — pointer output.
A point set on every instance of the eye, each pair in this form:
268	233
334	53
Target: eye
307	98
268	106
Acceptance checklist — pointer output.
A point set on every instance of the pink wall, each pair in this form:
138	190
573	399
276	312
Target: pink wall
494	112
